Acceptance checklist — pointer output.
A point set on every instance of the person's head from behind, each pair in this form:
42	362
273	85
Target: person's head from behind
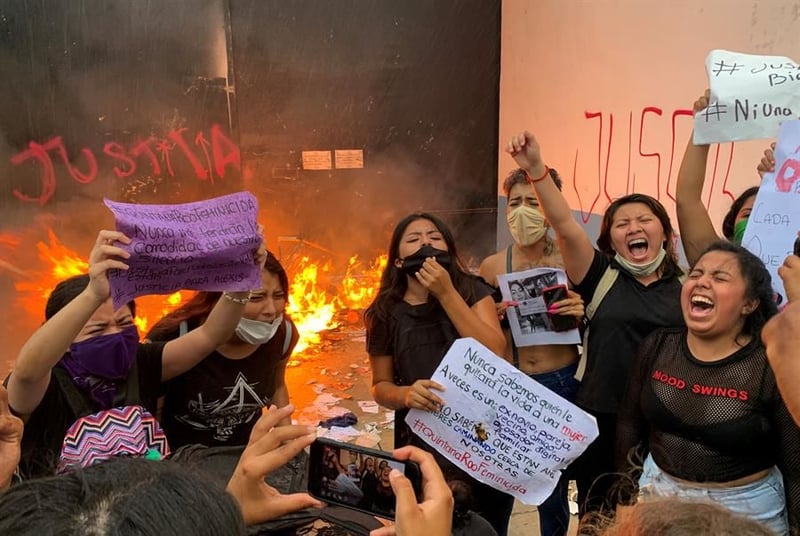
671	516
525	219
636	228
739	214
728	293
121	497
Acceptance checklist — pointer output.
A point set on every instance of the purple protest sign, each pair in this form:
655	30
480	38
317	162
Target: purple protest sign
207	245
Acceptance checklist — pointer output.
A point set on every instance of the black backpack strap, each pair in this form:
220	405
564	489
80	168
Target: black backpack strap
77	400
128	392
287	340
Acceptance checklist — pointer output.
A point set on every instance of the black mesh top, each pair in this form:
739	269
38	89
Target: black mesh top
708	422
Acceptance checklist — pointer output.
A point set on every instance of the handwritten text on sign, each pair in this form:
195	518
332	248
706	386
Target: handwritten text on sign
775	219
501	427
750	96
207	245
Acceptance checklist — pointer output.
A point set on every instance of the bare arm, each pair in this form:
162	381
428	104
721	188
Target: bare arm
488	271
40	353
781	336
280	396
696	229
384	390
573	241
185	352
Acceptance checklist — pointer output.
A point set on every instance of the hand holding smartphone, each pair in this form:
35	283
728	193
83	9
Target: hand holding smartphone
357	477
553	295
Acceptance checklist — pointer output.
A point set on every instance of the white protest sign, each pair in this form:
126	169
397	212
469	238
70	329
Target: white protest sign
786	177
528	318
750	96
500	426
771	231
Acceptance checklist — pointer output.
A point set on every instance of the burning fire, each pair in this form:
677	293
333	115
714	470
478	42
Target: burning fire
62	263
314	300
313	309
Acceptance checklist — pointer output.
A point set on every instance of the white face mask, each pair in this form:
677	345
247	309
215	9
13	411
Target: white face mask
642	270
527	225
255	332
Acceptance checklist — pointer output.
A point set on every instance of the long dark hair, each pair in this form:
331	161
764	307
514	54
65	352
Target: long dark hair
195	311
670	263
729	222
758	285
66	291
393	281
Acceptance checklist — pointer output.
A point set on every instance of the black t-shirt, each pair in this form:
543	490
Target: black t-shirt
218	402
44	431
708	421
629	312
417	338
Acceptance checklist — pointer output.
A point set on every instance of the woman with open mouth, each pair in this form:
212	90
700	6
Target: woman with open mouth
632	285
702	416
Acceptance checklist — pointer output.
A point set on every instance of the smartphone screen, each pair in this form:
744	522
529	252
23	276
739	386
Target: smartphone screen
356	477
552	295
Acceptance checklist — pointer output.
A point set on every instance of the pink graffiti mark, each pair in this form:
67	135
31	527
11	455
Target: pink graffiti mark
651	110
585	215
714	175
630	184
728	174
675	115
789	174
630	144
126	160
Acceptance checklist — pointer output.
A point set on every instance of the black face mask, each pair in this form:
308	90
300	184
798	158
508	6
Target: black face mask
412	264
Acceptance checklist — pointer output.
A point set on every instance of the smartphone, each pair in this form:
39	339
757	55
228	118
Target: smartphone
555	294
357	477
797	246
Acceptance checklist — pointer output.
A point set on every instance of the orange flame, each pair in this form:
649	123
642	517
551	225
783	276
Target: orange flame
313	302
62	263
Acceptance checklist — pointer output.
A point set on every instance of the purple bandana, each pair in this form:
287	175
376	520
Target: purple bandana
97	364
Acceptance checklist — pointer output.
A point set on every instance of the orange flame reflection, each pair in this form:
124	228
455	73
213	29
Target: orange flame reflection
62	263
314	300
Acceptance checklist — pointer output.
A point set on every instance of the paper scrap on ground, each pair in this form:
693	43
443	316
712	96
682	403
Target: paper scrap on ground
368	406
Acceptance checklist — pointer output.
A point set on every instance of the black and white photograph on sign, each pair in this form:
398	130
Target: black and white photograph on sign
528	292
